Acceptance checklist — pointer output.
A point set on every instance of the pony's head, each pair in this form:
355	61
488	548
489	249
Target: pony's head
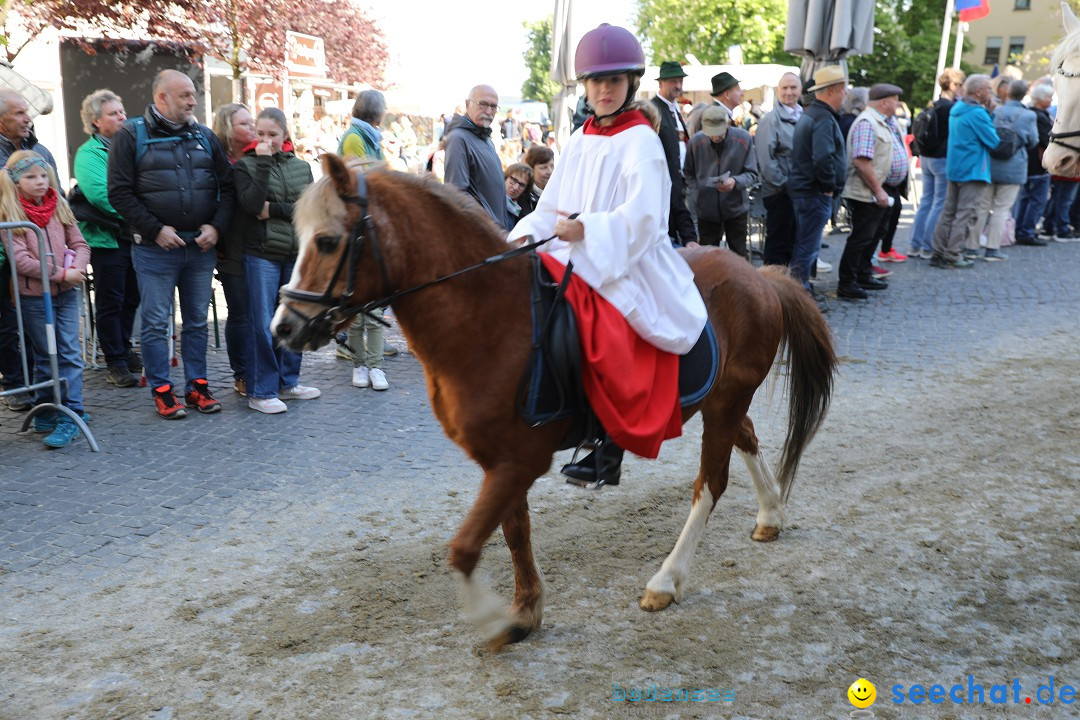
1062	156
324	293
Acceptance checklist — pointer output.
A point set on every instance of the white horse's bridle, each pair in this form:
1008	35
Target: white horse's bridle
1056	137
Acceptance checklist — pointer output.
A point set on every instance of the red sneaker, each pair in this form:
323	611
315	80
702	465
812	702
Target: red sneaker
167	405
891	256
200	398
879	272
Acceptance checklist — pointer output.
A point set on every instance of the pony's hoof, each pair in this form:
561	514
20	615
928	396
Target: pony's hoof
653	601
509	636
764	533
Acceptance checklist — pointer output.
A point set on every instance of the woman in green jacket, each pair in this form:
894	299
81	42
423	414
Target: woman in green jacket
269	179
116	291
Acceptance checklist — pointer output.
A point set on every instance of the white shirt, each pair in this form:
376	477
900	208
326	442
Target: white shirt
620	187
680	126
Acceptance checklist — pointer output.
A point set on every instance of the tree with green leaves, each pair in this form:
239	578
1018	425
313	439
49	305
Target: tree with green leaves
707	28
539	85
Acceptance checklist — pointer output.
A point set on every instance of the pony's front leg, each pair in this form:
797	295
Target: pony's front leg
501	494
528	609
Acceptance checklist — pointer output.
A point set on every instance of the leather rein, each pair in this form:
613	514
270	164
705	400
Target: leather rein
338	308
1056	137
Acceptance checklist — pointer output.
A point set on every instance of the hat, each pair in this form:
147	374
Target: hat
826	76
884	90
670	69
721	82
714	120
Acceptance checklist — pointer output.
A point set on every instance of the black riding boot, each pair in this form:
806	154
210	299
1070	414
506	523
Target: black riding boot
600	467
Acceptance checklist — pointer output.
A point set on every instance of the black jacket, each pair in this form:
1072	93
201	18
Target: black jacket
176	183
680	222
942	108
472	164
818	153
1043	122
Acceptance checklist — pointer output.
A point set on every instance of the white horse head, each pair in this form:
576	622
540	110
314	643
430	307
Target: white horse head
1062	157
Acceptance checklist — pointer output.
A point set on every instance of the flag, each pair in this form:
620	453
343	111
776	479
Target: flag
972	9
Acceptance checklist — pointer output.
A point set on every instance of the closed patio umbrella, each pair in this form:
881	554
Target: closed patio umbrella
562	72
825	32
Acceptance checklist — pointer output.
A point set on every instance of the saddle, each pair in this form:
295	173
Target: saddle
551	387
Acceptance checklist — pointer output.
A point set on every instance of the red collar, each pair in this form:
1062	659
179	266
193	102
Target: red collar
286	146
623	121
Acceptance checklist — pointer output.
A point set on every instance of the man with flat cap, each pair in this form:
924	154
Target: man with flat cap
673	138
720	168
726	92
818	167
876	178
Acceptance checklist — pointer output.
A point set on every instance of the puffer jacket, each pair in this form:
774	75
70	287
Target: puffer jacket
177	183
59	237
278	179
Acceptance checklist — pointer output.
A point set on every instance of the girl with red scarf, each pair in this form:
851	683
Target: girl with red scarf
29	192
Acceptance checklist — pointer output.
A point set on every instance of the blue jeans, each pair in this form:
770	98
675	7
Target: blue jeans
1056	219
68	352
934	184
1031	204
160	273
237	330
270	367
811	214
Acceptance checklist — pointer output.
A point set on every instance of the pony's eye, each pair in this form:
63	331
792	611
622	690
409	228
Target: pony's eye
327	243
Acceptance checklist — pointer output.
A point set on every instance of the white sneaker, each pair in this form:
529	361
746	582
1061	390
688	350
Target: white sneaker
360	376
378	380
270	406
823	267
300	392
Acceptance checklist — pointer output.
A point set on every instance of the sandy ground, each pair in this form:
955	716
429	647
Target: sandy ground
933	535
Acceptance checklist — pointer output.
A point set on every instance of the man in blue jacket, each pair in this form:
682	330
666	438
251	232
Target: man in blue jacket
967	165
818	167
472	163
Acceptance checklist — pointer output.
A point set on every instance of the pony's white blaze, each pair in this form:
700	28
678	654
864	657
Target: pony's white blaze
279	314
769	495
676	568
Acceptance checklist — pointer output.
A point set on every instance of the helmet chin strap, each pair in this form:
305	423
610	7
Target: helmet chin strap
625	106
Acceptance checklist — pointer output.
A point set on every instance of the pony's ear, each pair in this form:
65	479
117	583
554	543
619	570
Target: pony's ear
1071	23
334	168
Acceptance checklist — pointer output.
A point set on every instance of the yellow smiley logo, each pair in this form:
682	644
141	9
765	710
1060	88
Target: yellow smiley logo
862	693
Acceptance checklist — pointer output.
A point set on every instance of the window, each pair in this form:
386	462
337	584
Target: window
993	51
1016	45
1022	5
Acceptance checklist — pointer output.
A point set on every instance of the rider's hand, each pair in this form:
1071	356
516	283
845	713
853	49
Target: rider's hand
570	230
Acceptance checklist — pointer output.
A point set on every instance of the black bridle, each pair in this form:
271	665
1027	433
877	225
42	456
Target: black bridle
1056	137
339	308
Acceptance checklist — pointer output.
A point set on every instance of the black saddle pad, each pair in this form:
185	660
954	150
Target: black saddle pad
551	386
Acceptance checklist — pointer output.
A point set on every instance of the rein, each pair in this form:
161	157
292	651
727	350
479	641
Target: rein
1056	137
338	308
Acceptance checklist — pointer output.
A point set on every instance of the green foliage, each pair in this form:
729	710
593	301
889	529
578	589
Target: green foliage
539	85
907	37
706	28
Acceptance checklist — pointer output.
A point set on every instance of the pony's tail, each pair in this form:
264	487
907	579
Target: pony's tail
806	345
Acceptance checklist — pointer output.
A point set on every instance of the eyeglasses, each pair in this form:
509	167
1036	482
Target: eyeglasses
516	182
486	105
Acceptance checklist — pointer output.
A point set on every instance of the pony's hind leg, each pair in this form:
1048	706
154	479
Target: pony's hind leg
770	517
666	586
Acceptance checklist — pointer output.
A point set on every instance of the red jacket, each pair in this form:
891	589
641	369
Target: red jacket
23	251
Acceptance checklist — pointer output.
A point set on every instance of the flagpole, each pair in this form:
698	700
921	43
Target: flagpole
961	28
943	51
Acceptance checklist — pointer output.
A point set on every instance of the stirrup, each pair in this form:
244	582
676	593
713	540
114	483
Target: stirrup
595	474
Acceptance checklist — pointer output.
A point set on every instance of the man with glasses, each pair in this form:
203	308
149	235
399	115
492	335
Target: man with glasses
472	162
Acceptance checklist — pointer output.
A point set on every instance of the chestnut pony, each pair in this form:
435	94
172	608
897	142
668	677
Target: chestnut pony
473	334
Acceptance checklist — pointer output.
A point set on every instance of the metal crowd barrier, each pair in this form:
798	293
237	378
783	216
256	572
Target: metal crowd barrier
50	333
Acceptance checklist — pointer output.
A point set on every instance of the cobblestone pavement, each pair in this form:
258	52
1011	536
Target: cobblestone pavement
71	515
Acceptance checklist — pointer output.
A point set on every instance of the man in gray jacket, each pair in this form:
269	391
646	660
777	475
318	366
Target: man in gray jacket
720	168
472	162
772	146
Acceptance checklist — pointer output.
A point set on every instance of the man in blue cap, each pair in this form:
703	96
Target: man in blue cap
673	137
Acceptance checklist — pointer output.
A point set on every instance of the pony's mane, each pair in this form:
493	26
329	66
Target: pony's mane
1070	45
424	190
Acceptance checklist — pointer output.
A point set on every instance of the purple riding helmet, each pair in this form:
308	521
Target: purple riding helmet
610	50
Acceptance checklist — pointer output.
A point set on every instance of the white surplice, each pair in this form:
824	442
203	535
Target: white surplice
620	187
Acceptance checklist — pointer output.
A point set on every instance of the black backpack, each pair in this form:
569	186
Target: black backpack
924	132
1010	144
